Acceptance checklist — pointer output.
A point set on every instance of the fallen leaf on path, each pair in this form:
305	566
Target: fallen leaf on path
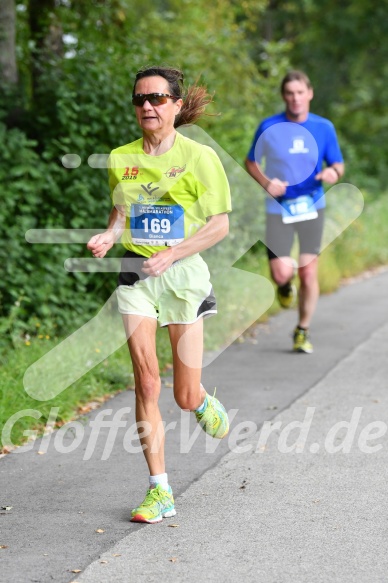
116	555
173	525
87	407
104	562
76	571
3	547
173	559
100	530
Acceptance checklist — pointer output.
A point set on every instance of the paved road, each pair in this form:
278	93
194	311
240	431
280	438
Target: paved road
286	507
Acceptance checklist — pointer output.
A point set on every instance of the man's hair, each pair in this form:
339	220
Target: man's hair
294	76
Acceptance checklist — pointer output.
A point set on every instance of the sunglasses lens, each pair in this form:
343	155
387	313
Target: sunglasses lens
138	100
152	98
157	99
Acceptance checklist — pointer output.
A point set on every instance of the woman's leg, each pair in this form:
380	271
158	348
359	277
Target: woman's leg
187	350
141	332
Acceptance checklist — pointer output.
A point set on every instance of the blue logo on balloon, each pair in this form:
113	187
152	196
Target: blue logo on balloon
288	152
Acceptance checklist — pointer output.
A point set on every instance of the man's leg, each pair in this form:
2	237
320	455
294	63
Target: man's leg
309	288
282	270
279	240
308	298
310	236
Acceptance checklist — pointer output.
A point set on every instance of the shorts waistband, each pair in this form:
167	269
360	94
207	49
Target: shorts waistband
189	259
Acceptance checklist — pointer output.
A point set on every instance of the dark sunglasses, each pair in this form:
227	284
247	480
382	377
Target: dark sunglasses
153	98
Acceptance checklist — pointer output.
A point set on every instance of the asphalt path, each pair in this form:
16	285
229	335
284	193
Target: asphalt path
271	517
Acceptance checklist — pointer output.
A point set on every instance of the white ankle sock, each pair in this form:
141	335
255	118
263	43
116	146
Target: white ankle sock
202	408
161	479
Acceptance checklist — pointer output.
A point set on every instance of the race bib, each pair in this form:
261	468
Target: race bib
157	224
298	209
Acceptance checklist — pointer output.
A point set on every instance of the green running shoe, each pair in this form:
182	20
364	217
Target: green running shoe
302	341
287	295
214	419
157	504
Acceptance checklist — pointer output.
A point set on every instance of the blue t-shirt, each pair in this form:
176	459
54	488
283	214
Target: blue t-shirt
295	152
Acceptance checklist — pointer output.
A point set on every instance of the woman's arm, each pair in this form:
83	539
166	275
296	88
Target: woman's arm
100	244
216	228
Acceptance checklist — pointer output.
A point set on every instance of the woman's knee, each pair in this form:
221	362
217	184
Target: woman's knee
188	398
147	387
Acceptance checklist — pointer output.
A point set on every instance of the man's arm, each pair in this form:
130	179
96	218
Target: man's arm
331	174
274	186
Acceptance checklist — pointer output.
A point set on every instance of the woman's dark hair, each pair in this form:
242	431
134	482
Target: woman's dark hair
195	98
294	76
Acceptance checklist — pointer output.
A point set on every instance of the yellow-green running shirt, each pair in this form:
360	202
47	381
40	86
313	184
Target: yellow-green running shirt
167	198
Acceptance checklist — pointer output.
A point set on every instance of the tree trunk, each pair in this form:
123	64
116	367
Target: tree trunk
8	67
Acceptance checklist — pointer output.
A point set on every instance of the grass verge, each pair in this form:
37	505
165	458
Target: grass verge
111	376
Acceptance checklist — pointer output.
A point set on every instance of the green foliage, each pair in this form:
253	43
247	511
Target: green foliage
81	106
77	100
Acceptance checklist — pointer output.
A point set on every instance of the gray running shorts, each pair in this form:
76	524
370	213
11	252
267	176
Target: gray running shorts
280	236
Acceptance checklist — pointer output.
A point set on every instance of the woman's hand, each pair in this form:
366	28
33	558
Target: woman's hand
159	262
100	244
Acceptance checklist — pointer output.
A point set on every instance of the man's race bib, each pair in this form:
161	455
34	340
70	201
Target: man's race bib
298	209
157	224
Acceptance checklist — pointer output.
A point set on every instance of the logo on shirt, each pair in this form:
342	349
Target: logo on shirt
130	173
148	193
175	171
298	146
148	188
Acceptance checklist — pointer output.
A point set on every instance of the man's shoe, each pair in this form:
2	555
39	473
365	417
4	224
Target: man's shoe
287	295
302	341
214	419
157	504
